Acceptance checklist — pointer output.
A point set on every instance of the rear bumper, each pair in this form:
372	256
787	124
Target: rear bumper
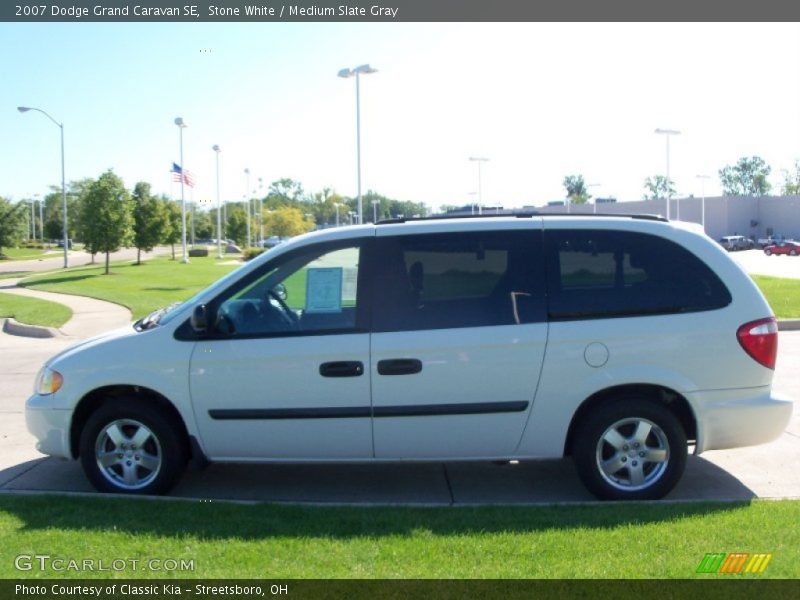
736	418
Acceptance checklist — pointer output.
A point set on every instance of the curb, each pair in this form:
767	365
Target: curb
14	327
789	325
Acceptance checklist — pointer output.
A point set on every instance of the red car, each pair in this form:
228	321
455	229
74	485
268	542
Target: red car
790	248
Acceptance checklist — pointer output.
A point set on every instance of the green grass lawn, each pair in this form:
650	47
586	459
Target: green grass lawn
143	288
782	294
34	311
228	540
22	254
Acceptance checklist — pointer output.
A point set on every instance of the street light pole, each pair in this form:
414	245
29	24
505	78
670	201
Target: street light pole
479	160
336	204
247	204
261	209
357	72
217	150
589	186
181	126
23	109
702	179
667	133
375	210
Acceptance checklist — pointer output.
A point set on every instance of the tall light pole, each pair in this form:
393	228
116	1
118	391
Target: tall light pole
479	160
181	126
23	109
357	72
217	150
261	209
33	219
247	203
667	133
702	179
336	204
41	218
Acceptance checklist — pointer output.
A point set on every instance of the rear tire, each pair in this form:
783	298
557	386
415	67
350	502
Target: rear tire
768	252
131	447
630	449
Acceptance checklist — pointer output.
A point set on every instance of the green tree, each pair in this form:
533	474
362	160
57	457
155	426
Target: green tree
657	187
12	223
172	226
791	181
287	221
203	228
748	177
149	220
236	226
106	216
576	189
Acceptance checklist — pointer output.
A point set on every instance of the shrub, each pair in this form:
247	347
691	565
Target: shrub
251	253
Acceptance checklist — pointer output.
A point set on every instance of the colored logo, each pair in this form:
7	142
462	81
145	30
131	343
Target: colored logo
734	563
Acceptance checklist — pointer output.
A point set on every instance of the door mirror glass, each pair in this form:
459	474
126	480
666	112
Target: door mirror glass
199	320
280	292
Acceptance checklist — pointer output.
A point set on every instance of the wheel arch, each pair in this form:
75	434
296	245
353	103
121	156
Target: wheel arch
675	402
109	393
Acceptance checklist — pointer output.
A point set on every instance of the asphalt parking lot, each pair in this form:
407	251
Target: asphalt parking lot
767	471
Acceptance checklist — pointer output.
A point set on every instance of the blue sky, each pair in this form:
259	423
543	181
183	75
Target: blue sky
539	100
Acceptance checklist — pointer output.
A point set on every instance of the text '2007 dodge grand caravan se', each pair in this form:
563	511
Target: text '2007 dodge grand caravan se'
616	340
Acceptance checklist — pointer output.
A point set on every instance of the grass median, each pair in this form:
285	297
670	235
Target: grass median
637	540
33	311
143	288
782	294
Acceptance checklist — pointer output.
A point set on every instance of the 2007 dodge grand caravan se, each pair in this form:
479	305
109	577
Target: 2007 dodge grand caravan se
616	340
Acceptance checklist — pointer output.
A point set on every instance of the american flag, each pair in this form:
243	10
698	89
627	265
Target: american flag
184	175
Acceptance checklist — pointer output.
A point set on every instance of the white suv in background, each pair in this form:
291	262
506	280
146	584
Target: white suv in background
619	341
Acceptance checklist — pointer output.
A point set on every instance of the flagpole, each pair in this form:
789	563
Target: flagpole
181	125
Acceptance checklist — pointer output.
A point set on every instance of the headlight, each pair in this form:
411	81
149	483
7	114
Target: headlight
48	381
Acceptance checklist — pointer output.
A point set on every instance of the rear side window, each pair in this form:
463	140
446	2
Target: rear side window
464	279
603	274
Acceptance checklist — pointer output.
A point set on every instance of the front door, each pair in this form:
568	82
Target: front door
285	372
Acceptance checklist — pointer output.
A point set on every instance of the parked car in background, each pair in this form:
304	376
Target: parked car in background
731	243
770	240
69	244
787	247
617	341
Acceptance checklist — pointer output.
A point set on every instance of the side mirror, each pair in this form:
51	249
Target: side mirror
199	319
280	291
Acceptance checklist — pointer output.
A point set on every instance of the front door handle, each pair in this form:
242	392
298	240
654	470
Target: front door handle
342	368
399	366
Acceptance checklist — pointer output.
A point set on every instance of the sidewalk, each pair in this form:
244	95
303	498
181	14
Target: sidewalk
89	316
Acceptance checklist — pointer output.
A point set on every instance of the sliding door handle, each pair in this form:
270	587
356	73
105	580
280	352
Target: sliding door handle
343	368
399	366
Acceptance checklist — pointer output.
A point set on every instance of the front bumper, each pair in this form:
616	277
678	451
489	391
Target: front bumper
50	426
736	418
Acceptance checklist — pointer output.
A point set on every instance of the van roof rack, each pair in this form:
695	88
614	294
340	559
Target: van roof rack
521	214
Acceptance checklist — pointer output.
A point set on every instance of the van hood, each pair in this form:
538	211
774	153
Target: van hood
96	340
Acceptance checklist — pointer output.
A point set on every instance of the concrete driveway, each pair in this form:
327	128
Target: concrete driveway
761	472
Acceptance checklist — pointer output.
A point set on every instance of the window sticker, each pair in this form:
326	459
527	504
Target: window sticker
324	290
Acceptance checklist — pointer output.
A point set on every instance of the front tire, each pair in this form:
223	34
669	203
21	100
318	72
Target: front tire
130	447
631	449
768	252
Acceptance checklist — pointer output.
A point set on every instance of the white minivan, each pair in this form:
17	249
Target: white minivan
617	340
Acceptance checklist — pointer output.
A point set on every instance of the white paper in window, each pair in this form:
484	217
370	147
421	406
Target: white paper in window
324	290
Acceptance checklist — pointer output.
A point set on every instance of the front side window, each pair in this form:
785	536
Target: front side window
313	291
602	273
464	279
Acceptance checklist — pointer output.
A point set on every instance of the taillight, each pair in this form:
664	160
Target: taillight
760	340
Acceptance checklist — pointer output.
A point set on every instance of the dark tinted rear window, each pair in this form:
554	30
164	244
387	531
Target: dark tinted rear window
464	279
601	273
